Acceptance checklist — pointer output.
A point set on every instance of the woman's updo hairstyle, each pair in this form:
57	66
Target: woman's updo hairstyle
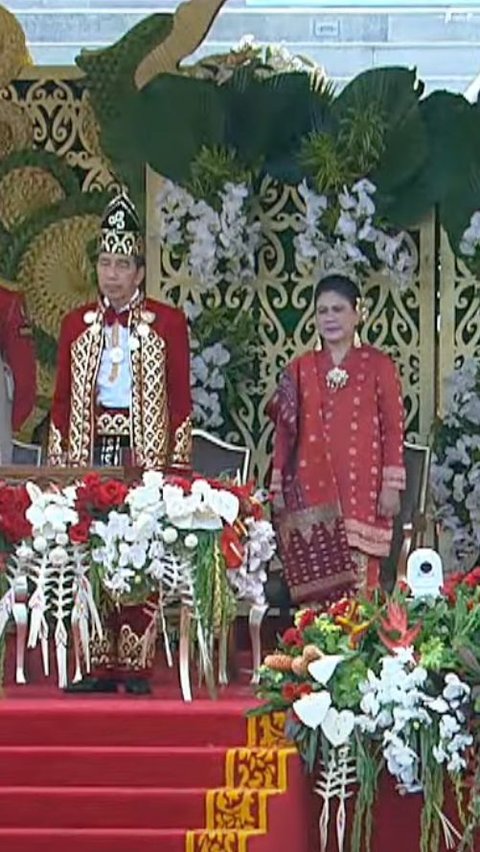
341	285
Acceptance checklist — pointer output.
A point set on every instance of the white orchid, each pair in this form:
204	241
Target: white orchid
217	245
354	238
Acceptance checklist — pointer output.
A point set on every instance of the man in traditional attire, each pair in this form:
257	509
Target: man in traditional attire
17	369
123	366
122	395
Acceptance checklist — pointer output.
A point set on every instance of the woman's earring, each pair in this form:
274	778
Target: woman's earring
318	344
356	340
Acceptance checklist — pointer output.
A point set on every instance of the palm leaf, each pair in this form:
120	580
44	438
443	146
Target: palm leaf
393	95
181	116
444	117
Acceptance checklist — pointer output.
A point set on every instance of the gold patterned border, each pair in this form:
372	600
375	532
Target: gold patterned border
218	841
267	731
258	769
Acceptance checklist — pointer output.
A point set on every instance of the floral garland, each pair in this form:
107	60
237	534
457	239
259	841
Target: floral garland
167	536
339	233
388	685
455	470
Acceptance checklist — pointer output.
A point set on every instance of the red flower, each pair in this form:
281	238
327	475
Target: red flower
289	692
79	533
97	494
293	691
232	548
14	501
340	608
307	618
180	482
111	494
403	586
292	637
397	623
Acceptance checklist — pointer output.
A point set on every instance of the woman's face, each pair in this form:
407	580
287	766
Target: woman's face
336	318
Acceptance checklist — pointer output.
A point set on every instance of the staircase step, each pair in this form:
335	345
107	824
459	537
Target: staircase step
117	722
77	766
102	807
94	840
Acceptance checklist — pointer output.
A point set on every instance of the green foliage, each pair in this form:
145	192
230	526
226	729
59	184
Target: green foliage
211	169
321	158
111	86
361	139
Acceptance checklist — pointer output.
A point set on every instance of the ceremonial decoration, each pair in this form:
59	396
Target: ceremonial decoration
455	470
203	543
351	244
219	244
385	686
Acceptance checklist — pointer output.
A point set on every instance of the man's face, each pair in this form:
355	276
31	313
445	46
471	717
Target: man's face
118	278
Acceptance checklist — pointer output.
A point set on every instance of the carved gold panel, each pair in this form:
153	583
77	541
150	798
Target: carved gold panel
401	323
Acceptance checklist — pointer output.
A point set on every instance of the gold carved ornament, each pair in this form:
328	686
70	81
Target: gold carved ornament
191	23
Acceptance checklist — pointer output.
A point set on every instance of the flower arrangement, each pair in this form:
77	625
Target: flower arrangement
340	232
202	542
219	336
262	60
218	239
455	470
389	685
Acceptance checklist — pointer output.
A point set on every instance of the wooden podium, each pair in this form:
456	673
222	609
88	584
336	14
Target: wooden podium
46	474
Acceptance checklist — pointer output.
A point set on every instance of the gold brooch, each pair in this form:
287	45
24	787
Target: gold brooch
337	378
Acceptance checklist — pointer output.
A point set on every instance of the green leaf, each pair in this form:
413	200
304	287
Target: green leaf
451	127
181	116
391	94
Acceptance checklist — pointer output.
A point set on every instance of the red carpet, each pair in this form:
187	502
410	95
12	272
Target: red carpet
127	774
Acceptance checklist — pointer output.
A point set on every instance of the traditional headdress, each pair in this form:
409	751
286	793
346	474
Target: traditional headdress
121	232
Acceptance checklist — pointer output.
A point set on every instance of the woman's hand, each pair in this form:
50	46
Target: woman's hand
388	502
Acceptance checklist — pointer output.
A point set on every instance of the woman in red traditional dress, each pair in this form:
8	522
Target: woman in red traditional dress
338	455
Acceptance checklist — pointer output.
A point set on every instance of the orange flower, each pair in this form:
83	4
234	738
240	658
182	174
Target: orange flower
351	622
397	623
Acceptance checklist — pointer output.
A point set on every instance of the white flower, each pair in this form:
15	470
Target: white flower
58	556
62	539
40	544
191	541
169	535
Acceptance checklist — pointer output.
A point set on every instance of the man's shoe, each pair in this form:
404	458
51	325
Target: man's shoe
93	684
138	686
